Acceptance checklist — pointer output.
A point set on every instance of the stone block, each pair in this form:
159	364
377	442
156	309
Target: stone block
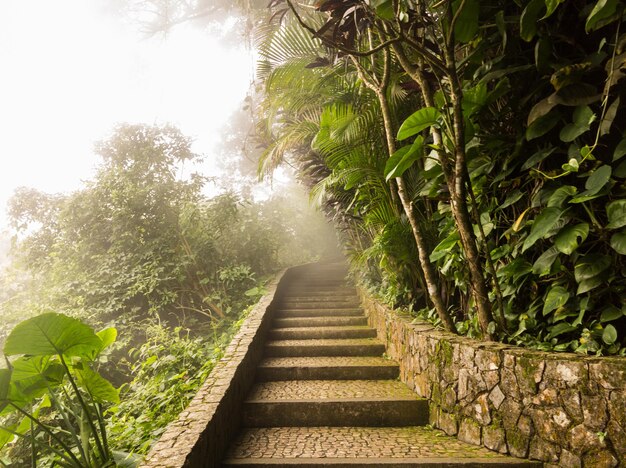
617	407
565	373
551	423
569	460
609	373
510	411
600	459
543	450
482	413
581	439
595	411
496	397
529	372
617	435
487	360
494	438
470	431
448	423
517	443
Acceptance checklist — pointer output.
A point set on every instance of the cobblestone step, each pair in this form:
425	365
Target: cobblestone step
336	312
319	304
319	298
325	347
327	368
333	403
306	333
319	322
314	290
350	447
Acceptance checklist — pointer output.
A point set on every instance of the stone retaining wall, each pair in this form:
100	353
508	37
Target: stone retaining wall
564	409
203	431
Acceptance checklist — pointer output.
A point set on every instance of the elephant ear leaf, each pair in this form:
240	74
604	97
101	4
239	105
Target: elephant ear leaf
51	333
100	389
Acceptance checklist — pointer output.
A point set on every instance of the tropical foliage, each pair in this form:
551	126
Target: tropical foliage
142	249
472	153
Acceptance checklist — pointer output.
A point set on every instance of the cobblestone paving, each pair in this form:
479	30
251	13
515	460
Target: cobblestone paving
331	389
352	442
331	361
326	342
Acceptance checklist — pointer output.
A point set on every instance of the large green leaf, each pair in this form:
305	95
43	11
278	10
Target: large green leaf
616	212
100	389
559	329
609	335
620	150
543	125
445	246
404	158
49	334
603	9
466	24
5	380
417	122
556	297
561	194
529	17
542	225
551	6
544	263
591	266
618	242
566	241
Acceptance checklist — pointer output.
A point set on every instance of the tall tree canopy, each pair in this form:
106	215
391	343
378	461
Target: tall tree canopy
489	133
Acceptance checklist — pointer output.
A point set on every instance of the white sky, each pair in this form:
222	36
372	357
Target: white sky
69	72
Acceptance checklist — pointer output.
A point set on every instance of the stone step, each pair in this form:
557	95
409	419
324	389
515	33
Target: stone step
319	304
325	347
327	368
284	312
309	333
351	447
326	291
318	298
333	403
319	322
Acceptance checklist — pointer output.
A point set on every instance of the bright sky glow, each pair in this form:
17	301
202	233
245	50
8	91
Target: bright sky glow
70	72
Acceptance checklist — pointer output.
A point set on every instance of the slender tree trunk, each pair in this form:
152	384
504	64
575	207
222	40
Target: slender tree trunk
456	180
459	200
430	274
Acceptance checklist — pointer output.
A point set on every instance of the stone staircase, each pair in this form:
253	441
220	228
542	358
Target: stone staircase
326	397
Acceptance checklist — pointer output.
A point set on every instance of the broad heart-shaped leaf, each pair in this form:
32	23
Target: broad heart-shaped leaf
467	19
417	122
100	389
551	6
618	242
544	263
566	241
620	150
603	9
49	334
559	329
542	225
5	380
609	335
611	313
543	125
557	297
588	284
598	179
616	212
402	159
572	131
443	248
561	194
591	266
528	19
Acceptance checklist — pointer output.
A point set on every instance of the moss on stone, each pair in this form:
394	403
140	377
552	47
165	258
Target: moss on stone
517	443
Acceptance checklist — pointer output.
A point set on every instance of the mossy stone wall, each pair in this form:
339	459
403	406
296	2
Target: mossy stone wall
567	410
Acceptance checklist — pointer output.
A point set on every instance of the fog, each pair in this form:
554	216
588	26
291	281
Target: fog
72	69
